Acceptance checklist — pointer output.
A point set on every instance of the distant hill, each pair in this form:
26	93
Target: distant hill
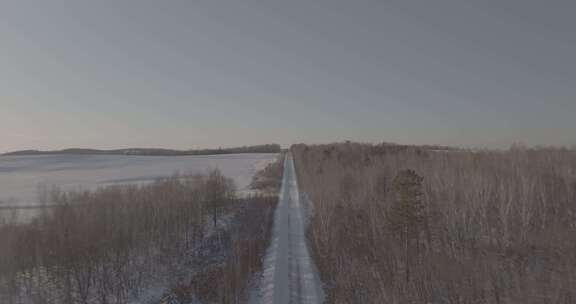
269	148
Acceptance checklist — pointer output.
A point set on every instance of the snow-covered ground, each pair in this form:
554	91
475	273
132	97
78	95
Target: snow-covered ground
289	275
21	177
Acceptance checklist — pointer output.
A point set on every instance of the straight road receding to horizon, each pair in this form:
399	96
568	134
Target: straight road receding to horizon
290	276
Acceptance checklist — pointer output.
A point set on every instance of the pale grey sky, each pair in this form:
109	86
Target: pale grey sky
184	74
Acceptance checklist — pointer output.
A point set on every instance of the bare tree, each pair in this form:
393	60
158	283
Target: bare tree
498	225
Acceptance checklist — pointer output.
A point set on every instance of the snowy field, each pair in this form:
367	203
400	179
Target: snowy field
21	177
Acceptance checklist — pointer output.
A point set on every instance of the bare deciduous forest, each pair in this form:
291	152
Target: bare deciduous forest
183	237
402	224
138	145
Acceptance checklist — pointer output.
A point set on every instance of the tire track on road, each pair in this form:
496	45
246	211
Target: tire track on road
289	276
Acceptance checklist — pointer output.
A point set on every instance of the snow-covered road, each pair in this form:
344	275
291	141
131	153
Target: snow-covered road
290	276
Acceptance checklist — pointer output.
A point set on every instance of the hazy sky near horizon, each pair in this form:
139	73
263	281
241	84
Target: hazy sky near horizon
190	74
